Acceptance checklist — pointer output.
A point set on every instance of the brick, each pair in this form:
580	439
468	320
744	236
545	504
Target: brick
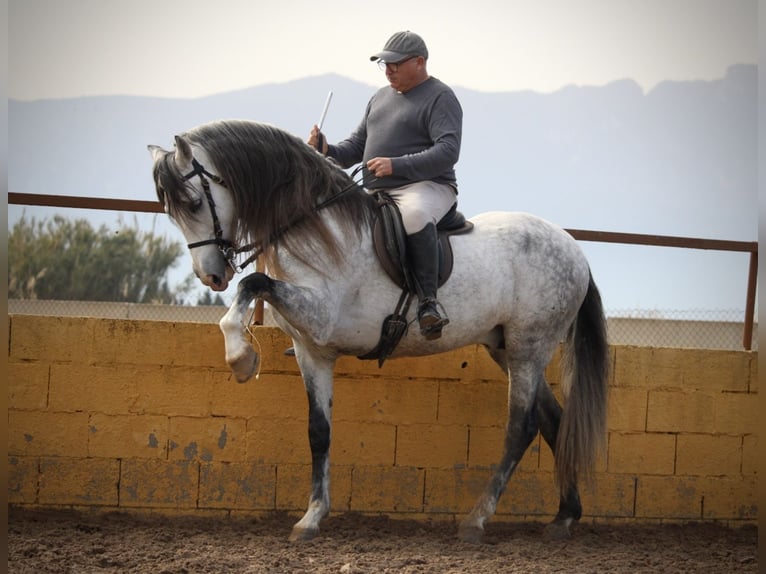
455	490
238	485
753	381
132	342
340	487
230	398
271	396
363	444
196	345
529	493
553	370
712	455
485	449
485	446
650	453
672	497
396	489
677	411
174	391
627	409
697	498
294	487
109	389
610	495
547	461
278	441
730	498
182	343
81	481
476	404
207	439
28	386
47	339
432	446
47	433
647	367
715	370
666	368
737	413
386	400
155	483
128	436
22	479
751	455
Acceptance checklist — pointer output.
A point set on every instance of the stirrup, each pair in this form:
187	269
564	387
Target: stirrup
429	319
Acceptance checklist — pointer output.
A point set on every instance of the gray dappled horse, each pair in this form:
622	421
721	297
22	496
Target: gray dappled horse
519	287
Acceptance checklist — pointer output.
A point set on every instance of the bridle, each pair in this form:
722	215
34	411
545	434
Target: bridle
228	250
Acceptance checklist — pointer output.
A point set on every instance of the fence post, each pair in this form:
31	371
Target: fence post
747	340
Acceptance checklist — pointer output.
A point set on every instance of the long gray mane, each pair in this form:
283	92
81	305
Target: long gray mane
276	180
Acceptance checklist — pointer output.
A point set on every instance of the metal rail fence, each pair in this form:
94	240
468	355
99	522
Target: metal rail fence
733	330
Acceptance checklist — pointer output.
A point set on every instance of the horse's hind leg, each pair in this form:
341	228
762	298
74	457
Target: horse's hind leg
521	429
549	417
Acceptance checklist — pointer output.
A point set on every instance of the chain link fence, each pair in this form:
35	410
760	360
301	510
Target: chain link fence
697	328
689	328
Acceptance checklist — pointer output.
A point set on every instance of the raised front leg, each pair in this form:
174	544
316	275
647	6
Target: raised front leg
318	379
240	355
305	312
521	429
570	508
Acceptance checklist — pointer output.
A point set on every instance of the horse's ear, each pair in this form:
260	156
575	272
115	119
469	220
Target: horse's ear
156	151
183	151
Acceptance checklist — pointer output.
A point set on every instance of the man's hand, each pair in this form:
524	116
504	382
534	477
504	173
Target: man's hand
317	140
380	166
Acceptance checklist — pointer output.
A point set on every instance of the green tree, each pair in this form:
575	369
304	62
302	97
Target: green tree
70	260
207	299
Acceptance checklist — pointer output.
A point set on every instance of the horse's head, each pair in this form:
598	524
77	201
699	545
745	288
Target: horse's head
201	207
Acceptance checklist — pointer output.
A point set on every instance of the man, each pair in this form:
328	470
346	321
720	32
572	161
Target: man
409	143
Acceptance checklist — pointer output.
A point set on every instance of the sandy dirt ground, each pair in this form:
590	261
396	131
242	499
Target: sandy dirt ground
71	542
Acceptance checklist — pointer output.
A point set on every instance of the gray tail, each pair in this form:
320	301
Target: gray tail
582	429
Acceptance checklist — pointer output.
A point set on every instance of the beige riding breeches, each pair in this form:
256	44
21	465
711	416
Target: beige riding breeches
422	202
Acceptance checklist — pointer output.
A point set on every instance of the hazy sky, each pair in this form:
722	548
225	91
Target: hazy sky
191	48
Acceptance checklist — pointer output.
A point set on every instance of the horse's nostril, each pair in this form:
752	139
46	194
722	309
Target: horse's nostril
216	280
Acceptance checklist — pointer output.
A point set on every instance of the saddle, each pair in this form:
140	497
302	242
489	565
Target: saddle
390	241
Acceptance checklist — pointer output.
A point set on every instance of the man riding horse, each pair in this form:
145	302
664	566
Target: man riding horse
409	143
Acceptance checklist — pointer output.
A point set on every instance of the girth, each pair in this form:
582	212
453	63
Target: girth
390	243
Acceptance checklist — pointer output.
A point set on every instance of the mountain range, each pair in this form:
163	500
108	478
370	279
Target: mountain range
679	159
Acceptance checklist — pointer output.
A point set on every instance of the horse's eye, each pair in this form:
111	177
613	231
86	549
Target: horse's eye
195	205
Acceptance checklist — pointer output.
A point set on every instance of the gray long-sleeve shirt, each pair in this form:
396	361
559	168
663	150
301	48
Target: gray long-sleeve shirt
420	130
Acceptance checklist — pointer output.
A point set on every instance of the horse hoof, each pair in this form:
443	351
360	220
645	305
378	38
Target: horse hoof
244	367
300	534
558	530
470	534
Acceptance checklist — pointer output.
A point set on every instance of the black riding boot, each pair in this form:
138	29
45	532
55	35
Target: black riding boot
422	248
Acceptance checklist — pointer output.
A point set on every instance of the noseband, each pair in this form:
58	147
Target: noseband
226	247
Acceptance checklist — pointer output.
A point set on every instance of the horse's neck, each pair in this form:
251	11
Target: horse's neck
356	251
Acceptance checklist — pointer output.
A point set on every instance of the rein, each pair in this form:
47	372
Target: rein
228	250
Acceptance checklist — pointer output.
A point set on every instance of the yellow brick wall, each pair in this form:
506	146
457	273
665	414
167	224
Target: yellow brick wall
136	415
